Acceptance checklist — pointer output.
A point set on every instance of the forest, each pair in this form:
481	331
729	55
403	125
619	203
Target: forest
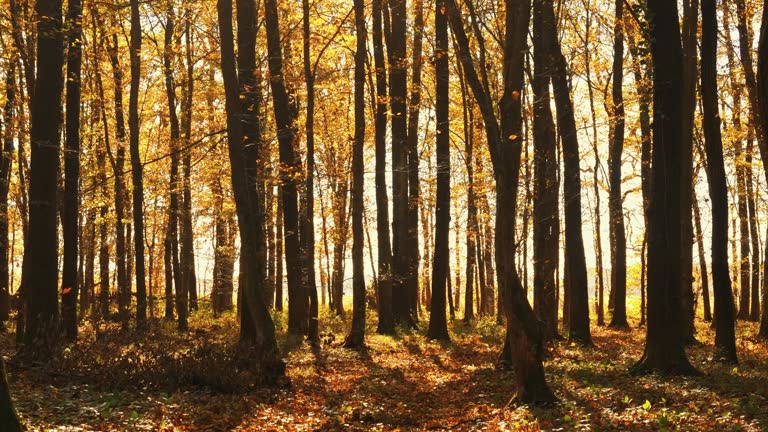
383	215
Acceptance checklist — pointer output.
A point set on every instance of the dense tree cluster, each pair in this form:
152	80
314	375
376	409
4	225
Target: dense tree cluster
264	139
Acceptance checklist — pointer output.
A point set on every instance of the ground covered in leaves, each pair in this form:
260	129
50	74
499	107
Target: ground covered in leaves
171	382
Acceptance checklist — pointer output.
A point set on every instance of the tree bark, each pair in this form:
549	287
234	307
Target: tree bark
546	232
438	322
524	343
6	166
386	318
762	118
69	286
308	216
257	331
356	337
285	115
615	202
725	337
9	420
40	265
574	243
396	48
664	347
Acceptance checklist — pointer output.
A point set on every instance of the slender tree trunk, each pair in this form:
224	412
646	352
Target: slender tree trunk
279	252
546	232
725	337
308	217
762	90
6	166
187	234
181	297
412	237
438	324
753	233
386	318
616	213
285	115
356	337
577	267
69	285
137	169
40	265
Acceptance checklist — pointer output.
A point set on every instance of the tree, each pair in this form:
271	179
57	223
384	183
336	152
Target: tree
725	337
664	344
6	165
308	216
396	50
546	230
40	268
574	243
615	202
137	169
386	318
356	337
69	285
438	323
523	342
285	115
257	331
172	234
762	87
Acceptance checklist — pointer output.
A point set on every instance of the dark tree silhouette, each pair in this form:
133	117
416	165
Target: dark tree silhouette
725	337
356	337
546	229
438	323
285	115
615	202
257	331
386	319
40	267
664	345
69	284
524	340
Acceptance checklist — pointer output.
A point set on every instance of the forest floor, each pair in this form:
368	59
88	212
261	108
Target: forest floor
118	382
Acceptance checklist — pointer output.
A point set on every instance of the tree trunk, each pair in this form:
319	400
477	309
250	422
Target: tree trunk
257	331
356	337
40	266
386	318
664	347
187	234
546	232
574	244
285	115
690	27
412	223
524	343
396	49
438	323
762	90
725	337
137	169
615	202
6	166
69	285
308	216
